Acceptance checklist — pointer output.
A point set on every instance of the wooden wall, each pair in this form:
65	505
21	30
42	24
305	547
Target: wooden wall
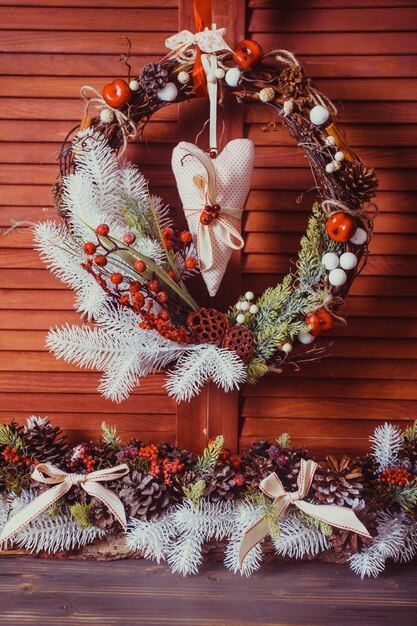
363	53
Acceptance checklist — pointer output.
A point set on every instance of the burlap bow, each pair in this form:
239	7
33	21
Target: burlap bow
50	475
208	41
337	516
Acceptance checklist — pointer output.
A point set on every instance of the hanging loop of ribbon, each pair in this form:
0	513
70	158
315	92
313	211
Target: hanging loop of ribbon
338	516
50	475
225	226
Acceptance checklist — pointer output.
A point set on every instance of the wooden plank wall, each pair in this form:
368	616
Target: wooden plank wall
363	53
50	48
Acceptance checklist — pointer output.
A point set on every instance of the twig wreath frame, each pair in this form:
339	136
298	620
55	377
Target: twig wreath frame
125	244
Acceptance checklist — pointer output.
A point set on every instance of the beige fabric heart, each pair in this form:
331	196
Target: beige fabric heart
225	181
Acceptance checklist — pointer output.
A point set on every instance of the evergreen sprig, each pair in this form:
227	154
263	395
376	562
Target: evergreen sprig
10	436
284	440
110	436
210	456
80	511
410	433
195	491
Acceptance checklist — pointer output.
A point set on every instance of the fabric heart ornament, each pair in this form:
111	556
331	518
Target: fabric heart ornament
213	193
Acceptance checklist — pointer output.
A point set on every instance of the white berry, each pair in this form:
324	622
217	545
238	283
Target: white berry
359	237
330	261
305	338
348	261
330	140
233	76
134	85
254	309
238	306
319	115
337	277
249	295
287	347
339	156
183	78
220	73
107	116
244	306
330	168
240	318
168	93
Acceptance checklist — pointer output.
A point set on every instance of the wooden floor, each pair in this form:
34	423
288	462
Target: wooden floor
43	592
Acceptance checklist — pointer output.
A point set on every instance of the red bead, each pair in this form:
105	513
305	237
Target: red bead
164	315
154	285
129	238
215	215
140	266
185	236
139	299
216	207
124	299
213	154
116	278
103	229
134	287
172	275
205	218
340	226
90	247
117	93
100	260
190	262
168	233
247	54
161	297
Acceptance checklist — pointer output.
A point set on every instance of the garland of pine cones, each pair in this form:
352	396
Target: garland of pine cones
163	479
265	332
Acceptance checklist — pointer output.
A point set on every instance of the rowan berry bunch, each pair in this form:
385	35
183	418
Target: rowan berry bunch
161	468
12	455
81	459
396	476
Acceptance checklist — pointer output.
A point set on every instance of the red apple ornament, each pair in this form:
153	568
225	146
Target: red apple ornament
340	226
320	321
247	54
117	93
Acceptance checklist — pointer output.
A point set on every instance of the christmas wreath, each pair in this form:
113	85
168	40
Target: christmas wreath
122	252
181	509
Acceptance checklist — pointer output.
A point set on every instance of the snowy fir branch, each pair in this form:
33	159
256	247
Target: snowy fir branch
386	441
298	540
152	538
244	516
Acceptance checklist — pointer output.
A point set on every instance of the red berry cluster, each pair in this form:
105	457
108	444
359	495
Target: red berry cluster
82	457
209	213
160	323
179	243
161	468
398	476
13	455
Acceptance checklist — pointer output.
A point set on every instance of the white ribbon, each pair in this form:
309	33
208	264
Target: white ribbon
338	516
50	475
208	41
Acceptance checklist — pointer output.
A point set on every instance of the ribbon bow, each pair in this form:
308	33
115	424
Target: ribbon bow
338	516
208	41
224	227
50	475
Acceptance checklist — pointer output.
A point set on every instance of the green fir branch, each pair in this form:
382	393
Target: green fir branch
255	370
80	511
410	433
284	441
110	436
195	491
210	456
9	436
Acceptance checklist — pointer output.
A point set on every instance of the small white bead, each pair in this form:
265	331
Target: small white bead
183	78
337	277
254	309
106	116
220	73
168	93
249	295
211	77
330	261
339	156
267	94
330	168
330	140
238	306
348	261
359	237
319	115
305	338
244	306
233	76
134	85
287	347
240	318
288	107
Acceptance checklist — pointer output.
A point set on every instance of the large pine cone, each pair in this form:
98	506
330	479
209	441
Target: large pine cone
45	443
154	76
207	325
359	183
101	515
144	497
337	482
240	339
220	485
256	463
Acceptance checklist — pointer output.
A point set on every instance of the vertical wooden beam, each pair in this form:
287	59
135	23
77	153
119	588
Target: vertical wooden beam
213	412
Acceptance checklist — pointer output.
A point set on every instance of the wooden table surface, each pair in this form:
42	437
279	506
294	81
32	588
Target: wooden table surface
43	592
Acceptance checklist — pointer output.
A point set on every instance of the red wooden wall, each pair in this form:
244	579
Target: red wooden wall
363	53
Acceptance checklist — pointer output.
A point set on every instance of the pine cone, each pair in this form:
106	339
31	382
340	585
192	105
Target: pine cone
45	443
359	183
101	515
154	76
144	497
337	482
292	81
348	542
220	485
